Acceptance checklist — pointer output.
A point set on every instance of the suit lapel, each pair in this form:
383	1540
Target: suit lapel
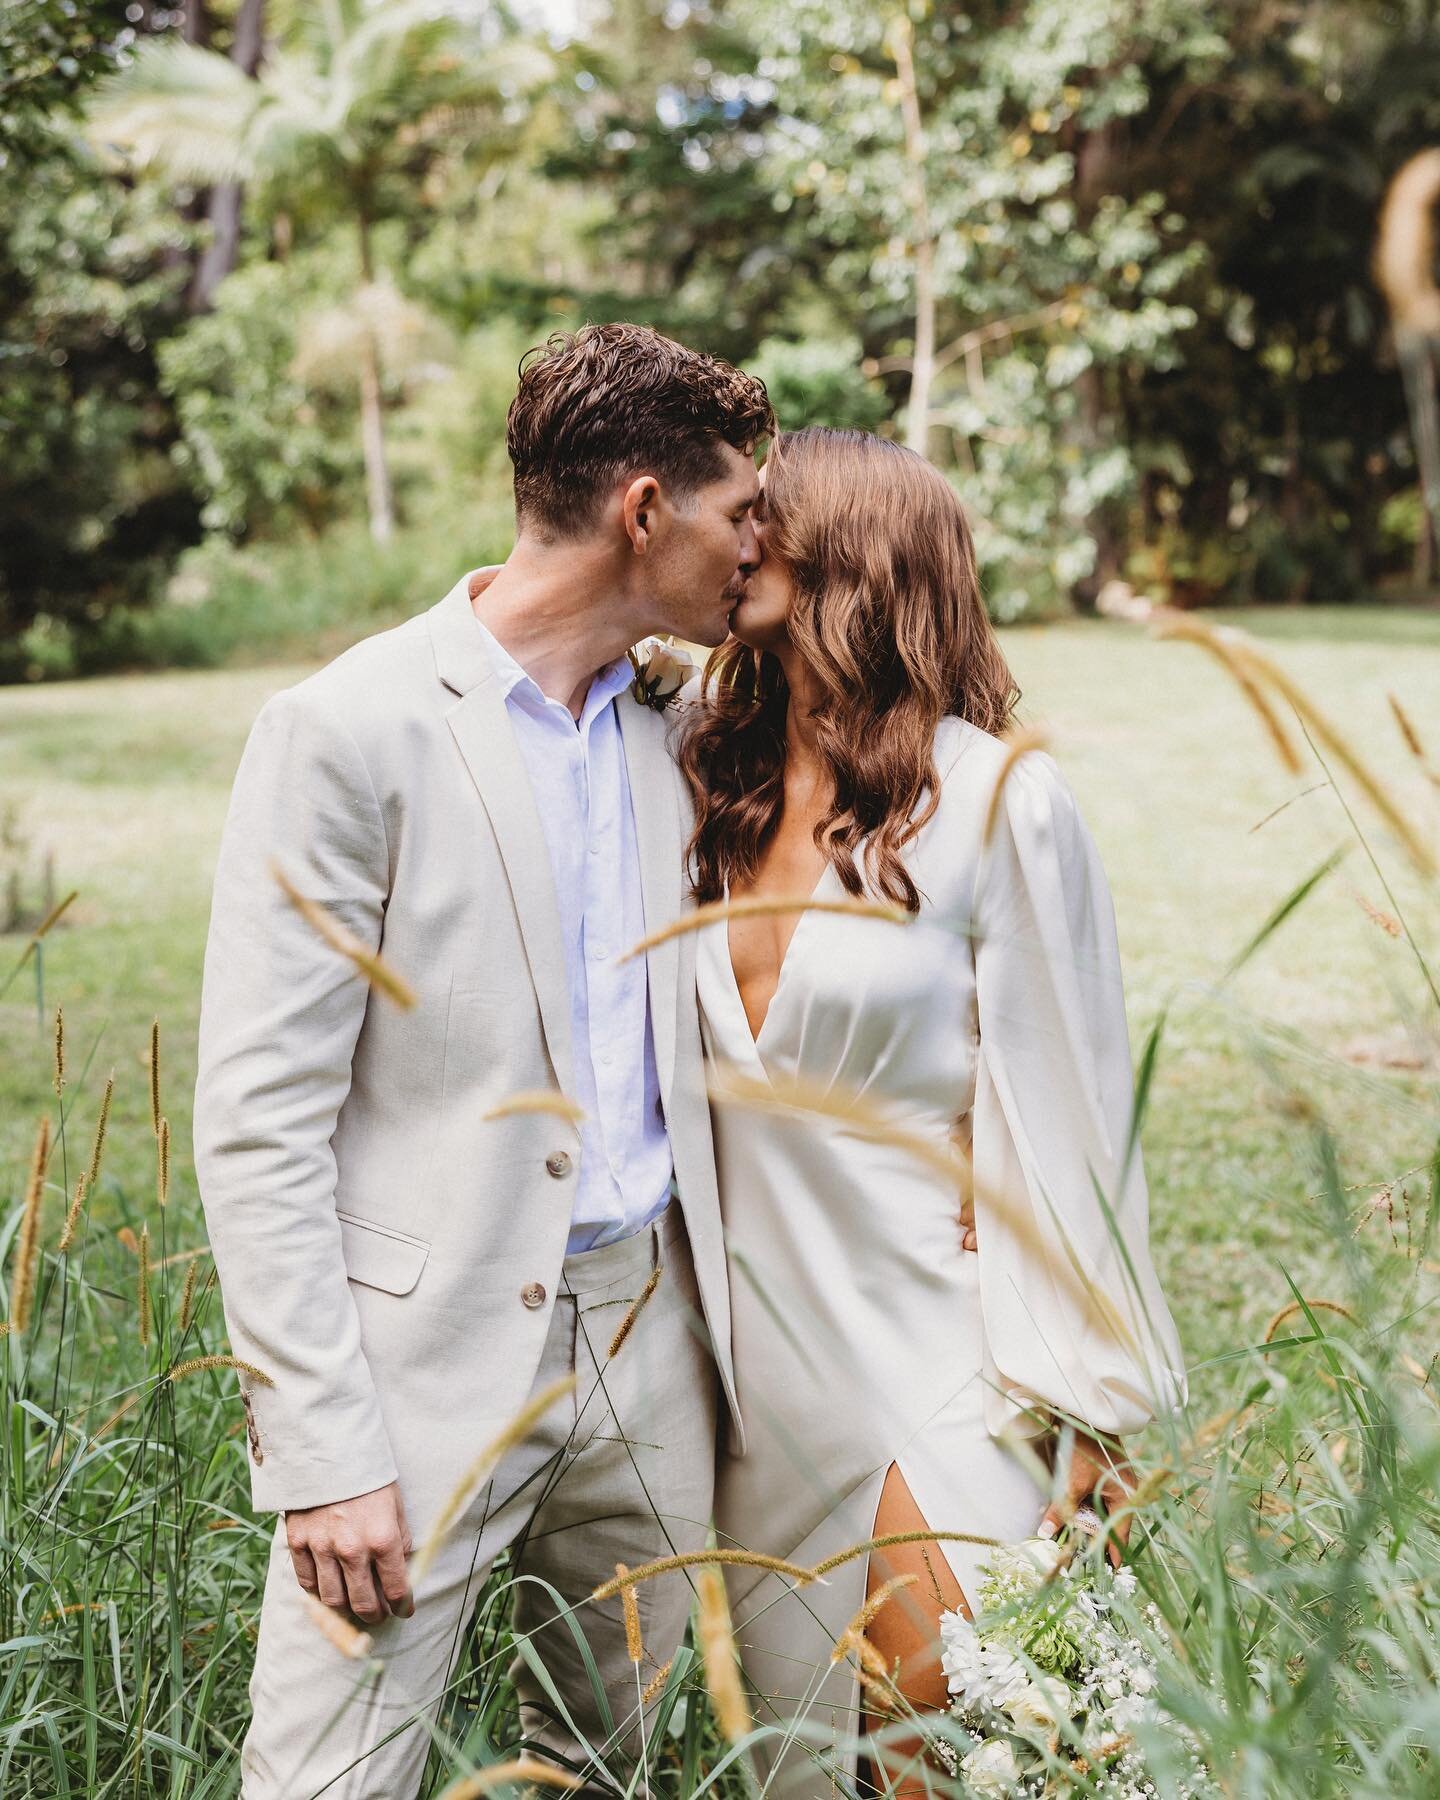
655	802
481	727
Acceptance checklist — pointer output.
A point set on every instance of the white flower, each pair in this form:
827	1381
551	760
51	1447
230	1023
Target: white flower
980	1675
1045	1554
1024	1567
958	1636
990	1770
660	673
1039	1707
1126	1712
1020	1719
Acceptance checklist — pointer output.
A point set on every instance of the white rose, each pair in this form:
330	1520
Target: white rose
1039	1707
991	1770
1041	1556
665	671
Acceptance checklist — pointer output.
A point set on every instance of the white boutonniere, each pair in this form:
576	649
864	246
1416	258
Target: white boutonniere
660	672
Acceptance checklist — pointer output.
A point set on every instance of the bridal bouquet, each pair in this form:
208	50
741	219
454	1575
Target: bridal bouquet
1051	1683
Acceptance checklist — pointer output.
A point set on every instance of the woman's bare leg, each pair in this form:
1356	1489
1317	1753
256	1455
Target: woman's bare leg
906	1631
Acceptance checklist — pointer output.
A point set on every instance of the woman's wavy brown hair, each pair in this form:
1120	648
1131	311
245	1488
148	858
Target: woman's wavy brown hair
887	612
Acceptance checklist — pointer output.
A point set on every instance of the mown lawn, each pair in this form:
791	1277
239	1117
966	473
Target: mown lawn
125	780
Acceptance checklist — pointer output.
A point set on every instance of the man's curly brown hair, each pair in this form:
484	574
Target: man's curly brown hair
609	401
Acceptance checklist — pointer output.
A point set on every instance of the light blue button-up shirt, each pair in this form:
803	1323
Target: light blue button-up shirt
582	793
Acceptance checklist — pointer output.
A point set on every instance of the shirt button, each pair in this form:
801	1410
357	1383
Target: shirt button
600	954
532	1294
558	1164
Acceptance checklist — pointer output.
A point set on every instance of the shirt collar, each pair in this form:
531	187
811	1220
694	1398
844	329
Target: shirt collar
515	683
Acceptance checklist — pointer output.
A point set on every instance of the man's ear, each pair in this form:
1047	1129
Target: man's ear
638	508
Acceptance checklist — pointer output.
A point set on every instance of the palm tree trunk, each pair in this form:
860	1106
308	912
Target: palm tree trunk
379	495
1098	158
917	418
221	253
917	422
1417	365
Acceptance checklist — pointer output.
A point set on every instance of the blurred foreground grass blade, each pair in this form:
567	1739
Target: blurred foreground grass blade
367	962
33	942
1401	918
1145	1067
764	907
1283	911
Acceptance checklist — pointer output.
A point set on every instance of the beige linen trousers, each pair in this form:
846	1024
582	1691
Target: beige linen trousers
390	1253
633	1444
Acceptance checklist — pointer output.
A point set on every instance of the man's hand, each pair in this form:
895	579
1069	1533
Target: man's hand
351	1554
968	1239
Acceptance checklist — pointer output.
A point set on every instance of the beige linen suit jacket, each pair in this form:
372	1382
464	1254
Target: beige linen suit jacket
387	1255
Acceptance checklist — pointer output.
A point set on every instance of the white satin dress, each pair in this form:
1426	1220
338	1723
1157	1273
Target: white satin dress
863	1334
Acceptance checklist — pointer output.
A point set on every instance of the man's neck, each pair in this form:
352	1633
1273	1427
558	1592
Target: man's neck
562	624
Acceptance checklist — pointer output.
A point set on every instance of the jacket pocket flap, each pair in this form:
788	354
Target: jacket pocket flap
380	1257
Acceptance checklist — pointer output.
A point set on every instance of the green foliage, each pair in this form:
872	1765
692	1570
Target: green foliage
265	453
666	126
92	511
1160	351
819	381
342	108
1285	428
1057	279
50	50
511	251
230	602
347	112
1402	519
450	440
1220	352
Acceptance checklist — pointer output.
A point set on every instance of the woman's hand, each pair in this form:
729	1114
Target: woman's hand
961	1143
1098	1471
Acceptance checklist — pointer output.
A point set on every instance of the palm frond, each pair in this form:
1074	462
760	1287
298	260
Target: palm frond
181	110
193	115
405	60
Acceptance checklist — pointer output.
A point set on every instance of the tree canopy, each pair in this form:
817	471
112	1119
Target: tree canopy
1108	263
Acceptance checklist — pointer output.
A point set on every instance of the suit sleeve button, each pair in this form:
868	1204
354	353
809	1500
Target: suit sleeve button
558	1163
532	1294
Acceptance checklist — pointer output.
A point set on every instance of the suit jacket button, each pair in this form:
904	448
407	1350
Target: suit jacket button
533	1294
558	1163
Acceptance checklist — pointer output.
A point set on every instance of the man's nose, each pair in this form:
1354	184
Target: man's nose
751	555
